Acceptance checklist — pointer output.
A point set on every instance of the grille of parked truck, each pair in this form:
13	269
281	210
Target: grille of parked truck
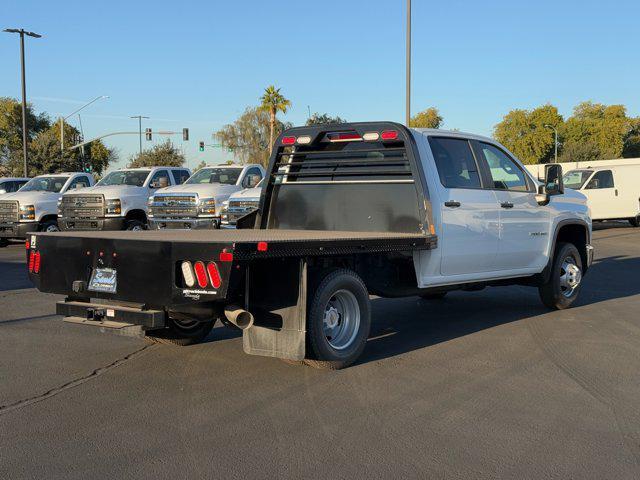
346	211
240	204
34	206
198	203
118	201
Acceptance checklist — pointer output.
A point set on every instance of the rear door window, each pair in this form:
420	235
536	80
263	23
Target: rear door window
455	162
180	176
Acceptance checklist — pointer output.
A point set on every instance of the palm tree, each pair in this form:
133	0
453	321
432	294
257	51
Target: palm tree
273	102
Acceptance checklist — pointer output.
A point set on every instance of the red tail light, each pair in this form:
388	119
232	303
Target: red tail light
32	257
288	140
201	274
389	135
263	246
36	263
226	256
27	244
214	275
343	137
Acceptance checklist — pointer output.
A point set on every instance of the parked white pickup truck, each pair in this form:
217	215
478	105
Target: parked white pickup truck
118	201
198	203
11	184
240	204
34	207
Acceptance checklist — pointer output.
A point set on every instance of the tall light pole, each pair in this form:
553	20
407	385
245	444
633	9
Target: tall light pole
408	73
100	97
555	130
140	117
22	33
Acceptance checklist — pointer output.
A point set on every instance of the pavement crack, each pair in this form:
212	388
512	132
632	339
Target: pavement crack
73	383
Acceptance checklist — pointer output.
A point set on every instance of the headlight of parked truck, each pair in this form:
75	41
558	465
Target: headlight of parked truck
113	207
27	212
207	207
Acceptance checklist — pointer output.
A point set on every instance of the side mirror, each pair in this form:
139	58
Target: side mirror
163	182
254	180
553	184
2	190
78	185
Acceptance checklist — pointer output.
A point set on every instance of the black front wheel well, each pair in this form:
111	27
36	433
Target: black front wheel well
136	215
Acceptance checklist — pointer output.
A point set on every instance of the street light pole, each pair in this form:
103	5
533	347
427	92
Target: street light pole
408	72
140	117
555	130
22	33
62	119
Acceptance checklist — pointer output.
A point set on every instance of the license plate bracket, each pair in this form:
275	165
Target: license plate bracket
104	280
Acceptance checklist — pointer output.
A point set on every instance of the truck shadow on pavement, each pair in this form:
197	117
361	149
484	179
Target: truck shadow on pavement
403	325
14	276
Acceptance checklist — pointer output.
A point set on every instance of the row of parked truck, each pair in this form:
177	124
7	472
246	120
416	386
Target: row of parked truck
129	199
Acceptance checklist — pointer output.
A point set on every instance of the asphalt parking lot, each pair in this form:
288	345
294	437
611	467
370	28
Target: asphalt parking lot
481	385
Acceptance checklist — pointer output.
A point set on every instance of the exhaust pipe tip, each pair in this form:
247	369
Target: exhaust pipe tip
240	317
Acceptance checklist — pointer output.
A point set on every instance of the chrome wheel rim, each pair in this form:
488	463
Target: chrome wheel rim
570	276
52	228
136	228
341	319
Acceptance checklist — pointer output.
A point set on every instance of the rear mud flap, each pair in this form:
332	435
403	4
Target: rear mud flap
280	309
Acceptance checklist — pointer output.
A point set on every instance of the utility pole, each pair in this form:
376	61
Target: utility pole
22	33
408	73
140	117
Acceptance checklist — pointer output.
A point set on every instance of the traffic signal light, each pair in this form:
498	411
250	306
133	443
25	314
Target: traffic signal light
87	167
185	134
202	146
147	133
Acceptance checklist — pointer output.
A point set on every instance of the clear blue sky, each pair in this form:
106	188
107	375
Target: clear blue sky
199	64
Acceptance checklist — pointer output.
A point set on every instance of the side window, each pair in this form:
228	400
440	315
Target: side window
456	165
505	173
602	179
79	182
252	178
6	187
180	176
160	179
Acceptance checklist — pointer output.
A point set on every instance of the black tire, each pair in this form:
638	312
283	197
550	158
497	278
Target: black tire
49	226
433	295
340	283
178	332
3	242
134	225
635	221
553	293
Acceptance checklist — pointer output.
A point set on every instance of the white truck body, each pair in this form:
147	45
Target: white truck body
613	192
35	206
118	201
240	204
198	203
537	170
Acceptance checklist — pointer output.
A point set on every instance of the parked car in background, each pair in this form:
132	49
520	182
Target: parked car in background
198	203
34	207
240	204
11	184
119	200
613	192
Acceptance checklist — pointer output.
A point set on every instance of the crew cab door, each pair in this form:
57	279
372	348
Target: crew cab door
524	224
603	195
470	216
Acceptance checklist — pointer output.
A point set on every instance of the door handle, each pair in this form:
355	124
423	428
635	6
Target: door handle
452	204
506	205
616	192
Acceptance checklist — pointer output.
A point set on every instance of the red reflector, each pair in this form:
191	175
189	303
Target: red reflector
201	274
31	260
214	275
288	140
389	135
263	246
226	256
36	264
27	245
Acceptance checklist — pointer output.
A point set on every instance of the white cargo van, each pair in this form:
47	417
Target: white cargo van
613	192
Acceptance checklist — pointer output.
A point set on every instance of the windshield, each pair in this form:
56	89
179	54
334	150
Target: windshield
575	178
228	176
135	178
45	184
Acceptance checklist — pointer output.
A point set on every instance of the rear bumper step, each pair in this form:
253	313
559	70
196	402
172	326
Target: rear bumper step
110	316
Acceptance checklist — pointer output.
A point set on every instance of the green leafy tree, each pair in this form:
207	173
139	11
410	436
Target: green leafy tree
250	135
323	119
163	154
11	133
429	118
524	133
586	151
273	101
632	140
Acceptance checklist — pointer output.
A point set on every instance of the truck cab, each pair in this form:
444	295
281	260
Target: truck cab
612	192
119	200
11	184
240	204
33	208
199	202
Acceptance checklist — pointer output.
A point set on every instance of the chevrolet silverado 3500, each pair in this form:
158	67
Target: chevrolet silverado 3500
347	211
